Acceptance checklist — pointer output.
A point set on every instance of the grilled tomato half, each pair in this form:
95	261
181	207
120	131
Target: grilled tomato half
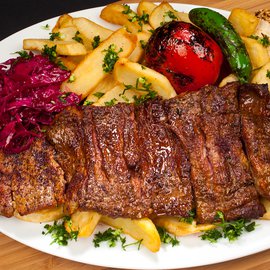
186	55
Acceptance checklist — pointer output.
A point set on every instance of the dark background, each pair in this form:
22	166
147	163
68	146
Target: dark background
16	15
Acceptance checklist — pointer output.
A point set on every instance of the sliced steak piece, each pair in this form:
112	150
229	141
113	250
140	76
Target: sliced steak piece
207	123
164	167
255	119
37	179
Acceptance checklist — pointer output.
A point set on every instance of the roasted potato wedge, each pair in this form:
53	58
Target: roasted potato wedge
91	66
163	13
84	222
257	52
62	47
243	21
127	72
118	14
179	228
145	7
138	229
45	215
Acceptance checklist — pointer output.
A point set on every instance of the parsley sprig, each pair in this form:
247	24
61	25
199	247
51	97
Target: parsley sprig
167	238
144	86
264	40
59	233
168	16
55	36
230	230
77	37
95	42
112	237
190	218
24	54
110	58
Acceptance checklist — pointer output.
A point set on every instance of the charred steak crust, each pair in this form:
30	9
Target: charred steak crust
254	103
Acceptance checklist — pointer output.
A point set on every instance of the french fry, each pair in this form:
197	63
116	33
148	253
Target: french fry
89	30
45	215
163	13
64	20
115	95
91	66
62	47
138	53
243	21
179	228
266	204
84	222
103	87
139	229
128	73
257	52
260	76
145	7
117	14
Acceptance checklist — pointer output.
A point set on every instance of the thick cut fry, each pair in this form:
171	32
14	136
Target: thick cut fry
243	21
45	215
90	71
84	222
179	228
128	73
257	52
64	20
145	7
118	14
139	229
163	13
266	204
228	79
262	75
102	88
89	30
62	47
138	53
115	95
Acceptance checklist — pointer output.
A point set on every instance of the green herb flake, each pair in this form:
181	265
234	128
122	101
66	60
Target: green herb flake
110	58
111	102
143	67
55	36
63	97
190	218
72	78
59	233
45	27
268	73
167	238
77	37
112	236
230	230
24	54
50	52
88	103
169	16
61	64
143	43
98	94
264	40
96	42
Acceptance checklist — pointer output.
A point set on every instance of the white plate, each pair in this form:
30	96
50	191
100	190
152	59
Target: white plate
191	252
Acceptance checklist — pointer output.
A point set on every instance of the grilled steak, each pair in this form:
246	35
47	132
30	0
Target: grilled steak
31	180
207	123
255	116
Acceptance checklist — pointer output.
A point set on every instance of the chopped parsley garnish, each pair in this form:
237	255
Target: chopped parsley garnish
88	103
144	86
96	42
112	236
45	27
98	94
230	230
268	73
167	238
110	58
72	78
264	40
51	53
24	54
190	218
77	37
59	233
169	16
54	36
111	102
143	44
134	17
